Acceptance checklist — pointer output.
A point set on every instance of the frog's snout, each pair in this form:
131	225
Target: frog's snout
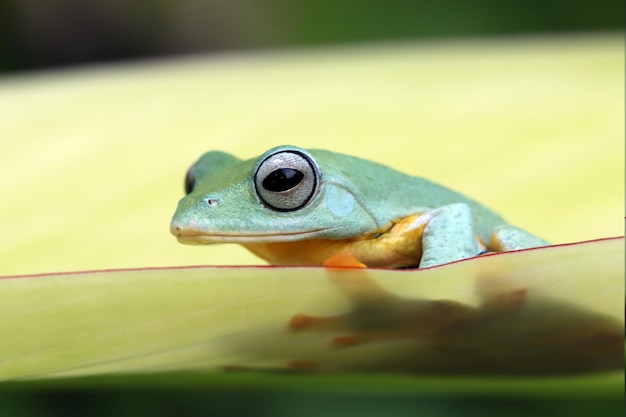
185	232
178	228
175	228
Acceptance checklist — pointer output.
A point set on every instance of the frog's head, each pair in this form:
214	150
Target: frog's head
287	194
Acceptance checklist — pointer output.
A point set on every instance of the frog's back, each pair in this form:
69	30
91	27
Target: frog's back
391	195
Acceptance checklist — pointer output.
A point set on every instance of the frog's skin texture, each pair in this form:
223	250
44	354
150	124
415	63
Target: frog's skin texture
292	206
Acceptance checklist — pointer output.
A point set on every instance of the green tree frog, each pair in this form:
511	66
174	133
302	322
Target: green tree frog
292	206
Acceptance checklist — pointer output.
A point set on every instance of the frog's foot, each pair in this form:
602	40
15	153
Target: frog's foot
319	323
401	320
363	338
434	321
363	292
511	300
306	322
449	236
343	259
506	238
499	295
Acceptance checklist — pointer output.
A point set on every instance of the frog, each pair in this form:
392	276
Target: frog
315	207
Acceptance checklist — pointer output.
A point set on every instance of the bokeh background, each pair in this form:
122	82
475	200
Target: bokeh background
104	105
38	34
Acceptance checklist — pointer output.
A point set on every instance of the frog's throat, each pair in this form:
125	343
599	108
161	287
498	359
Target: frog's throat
199	237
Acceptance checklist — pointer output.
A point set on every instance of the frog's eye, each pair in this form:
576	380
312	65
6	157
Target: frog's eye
286	180
190	179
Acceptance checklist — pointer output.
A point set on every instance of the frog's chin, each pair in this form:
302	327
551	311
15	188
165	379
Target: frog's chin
200	238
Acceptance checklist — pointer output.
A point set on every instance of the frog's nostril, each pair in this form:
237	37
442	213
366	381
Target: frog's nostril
174	228
212	202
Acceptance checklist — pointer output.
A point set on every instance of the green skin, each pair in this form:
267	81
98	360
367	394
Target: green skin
353	198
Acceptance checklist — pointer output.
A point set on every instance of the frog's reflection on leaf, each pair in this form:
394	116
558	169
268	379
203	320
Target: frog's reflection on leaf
513	330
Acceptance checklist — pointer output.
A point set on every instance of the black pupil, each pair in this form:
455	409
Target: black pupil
282	179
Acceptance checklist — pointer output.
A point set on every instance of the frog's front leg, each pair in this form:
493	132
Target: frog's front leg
449	236
425	239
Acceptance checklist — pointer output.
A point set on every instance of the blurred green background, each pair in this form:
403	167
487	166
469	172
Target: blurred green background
42	33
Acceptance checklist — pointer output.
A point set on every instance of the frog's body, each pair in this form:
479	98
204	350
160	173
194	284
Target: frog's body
316	207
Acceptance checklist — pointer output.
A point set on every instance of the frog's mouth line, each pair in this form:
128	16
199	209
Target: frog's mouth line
199	238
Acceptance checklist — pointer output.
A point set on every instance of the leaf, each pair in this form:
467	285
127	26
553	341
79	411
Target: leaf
203	319
92	163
